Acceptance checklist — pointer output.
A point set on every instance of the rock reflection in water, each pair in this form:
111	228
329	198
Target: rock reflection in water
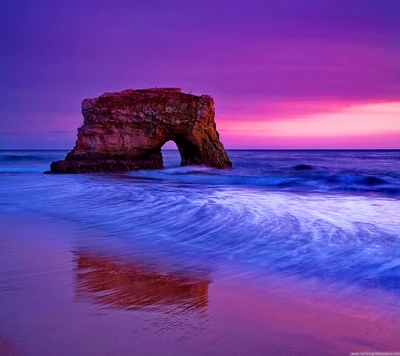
132	286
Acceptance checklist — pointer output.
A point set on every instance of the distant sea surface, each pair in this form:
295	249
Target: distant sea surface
320	220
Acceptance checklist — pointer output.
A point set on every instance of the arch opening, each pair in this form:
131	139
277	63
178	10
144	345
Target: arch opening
189	152
179	152
170	154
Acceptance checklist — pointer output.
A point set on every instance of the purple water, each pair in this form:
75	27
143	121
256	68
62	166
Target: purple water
322	216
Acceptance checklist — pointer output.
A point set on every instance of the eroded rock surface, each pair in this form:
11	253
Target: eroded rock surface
125	131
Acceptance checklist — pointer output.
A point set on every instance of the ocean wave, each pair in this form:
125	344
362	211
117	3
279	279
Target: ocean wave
23	157
315	236
303	167
9	170
30	156
336	222
305	177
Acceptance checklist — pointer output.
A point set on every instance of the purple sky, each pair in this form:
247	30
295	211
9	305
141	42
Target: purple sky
264	62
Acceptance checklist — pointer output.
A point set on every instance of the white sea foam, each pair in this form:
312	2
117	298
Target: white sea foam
267	215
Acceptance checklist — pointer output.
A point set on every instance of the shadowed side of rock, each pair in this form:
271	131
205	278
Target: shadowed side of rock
125	131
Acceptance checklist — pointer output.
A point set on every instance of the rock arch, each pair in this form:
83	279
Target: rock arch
126	131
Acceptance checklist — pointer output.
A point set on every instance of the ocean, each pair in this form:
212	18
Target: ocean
310	224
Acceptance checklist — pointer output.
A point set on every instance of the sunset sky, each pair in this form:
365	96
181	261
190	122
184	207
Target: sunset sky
283	74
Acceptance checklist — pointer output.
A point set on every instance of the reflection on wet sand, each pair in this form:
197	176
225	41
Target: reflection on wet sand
132	286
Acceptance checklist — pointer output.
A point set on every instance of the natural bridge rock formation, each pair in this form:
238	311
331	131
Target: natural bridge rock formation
125	131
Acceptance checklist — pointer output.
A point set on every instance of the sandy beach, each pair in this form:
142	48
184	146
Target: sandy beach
57	300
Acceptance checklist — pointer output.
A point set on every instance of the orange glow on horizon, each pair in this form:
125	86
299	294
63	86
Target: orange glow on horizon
353	127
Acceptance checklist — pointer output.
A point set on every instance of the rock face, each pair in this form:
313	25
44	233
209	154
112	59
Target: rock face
125	131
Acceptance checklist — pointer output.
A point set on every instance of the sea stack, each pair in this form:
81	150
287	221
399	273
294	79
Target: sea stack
125	131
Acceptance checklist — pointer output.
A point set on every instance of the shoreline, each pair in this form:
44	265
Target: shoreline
57	302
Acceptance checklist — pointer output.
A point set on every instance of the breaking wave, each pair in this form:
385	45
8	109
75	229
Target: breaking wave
335	218
307	179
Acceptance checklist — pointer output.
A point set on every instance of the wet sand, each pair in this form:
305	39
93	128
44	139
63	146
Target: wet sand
59	299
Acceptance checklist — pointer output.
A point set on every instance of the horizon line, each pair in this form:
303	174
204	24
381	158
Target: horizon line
229	149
